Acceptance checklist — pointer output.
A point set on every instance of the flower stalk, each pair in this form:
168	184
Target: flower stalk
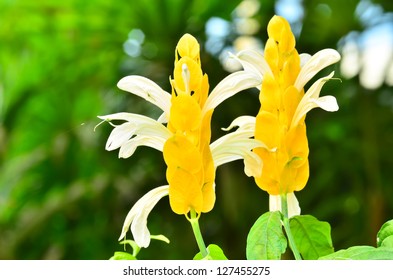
285	220
194	221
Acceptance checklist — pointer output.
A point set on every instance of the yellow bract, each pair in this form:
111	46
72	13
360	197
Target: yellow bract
185	114
190	171
285	160
188	46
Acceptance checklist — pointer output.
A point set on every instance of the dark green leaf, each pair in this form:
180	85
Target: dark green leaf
361	253
122	256
385	234
312	237
215	253
266	240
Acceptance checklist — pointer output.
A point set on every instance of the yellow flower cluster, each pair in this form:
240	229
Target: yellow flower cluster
285	163
187	153
273	144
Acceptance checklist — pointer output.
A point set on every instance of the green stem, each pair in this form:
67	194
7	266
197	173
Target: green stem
284	210
194	220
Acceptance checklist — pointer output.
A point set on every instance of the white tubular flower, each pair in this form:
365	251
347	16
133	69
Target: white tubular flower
312	100
292	202
147	89
138	130
310	66
137	217
238	145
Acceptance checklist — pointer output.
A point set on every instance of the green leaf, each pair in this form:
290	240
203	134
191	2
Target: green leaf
160	237
215	253
387	242
385	234
266	240
134	246
361	253
312	237
122	256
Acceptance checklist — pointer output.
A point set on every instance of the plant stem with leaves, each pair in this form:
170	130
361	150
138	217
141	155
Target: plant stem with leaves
285	220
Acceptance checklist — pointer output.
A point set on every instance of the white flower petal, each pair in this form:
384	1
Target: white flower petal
292	203
163	118
244	123
148	90
275	203
304	58
254	62
315	64
252	164
128	148
137	217
327	103
119	135
312	100
233	138
228	87
135	125
232	150
238	145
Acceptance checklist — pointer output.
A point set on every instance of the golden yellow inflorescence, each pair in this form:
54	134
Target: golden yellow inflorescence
187	153
285	160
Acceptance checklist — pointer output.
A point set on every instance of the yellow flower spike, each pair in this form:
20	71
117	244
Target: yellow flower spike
179	152
183	134
185	114
188	46
187	76
272	55
279	30
280	123
183	153
185	192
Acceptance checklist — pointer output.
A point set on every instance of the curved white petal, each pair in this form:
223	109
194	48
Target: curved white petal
253	61
315	64
238	145
148	90
232	138
292	203
119	135
234	149
312	100
327	103
163	118
304	58
229	86
244	123
128	148
275	203
252	165
135	125
137	217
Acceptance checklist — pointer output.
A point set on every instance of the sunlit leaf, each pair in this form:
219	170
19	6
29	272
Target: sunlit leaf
266	240
122	256
385	235
215	253
312	237
361	253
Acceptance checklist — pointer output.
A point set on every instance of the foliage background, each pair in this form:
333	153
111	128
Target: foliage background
62	196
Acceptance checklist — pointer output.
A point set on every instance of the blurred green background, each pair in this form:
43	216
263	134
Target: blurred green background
62	196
